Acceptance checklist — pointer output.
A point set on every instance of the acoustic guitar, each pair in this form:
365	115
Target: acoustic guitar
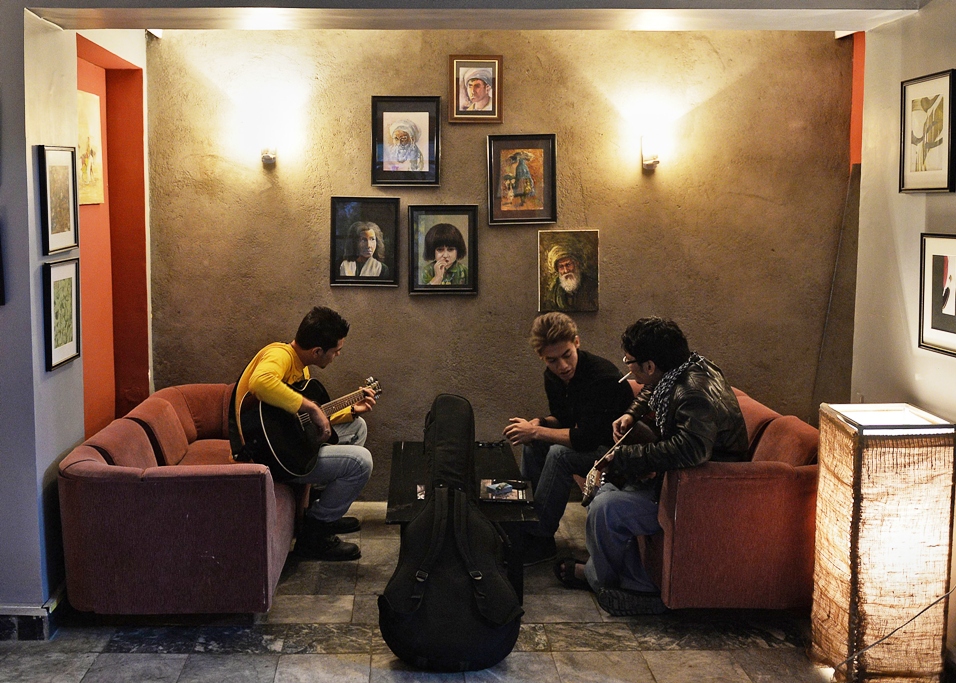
287	443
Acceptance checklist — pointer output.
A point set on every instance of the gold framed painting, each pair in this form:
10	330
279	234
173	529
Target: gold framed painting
474	88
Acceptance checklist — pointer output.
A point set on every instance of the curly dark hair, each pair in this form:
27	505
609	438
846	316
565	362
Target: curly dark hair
656	339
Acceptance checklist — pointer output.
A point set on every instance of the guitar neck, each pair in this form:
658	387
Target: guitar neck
338	404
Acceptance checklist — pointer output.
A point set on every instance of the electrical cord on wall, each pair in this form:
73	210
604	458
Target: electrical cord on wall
888	635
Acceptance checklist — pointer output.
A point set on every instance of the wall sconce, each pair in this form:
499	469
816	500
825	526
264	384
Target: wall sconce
649	153
268	156
883	529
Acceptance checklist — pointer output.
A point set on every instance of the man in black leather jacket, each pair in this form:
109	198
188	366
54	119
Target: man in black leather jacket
696	419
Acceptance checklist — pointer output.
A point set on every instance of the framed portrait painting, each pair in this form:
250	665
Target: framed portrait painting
567	270
443	249
364	241
61	303
474	89
58	198
522	179
926	161
937	320
406	140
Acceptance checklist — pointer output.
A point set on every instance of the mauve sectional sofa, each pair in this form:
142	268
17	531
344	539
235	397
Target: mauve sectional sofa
158	518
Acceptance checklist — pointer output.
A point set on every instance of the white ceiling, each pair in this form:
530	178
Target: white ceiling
638	15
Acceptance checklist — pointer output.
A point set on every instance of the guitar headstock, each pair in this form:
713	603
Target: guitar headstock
374	385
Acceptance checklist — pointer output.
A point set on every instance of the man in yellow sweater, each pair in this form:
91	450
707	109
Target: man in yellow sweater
343	466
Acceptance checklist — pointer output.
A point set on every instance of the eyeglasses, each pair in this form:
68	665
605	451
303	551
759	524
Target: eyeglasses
630	361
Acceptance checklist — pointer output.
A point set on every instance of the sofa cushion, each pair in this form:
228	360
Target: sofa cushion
203	409
163	428
124	443
208	452
788	439
756	416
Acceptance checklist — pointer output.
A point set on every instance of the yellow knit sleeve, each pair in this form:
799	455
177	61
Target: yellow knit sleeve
267	381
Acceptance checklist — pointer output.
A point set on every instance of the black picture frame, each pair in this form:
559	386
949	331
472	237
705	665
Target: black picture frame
416	160
61	308
59	202
462	70
438	227
351	217
522	179
937	293
926	126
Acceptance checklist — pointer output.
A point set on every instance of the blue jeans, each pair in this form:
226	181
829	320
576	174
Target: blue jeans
550	468
615	519
343	469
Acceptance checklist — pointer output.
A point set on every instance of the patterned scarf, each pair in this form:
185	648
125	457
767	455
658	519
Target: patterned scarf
660	400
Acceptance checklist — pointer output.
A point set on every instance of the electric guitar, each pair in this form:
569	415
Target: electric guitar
289	443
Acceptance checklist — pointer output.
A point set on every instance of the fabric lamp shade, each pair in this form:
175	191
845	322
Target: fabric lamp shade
883	529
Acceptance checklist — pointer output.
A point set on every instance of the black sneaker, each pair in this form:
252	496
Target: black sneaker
329	548
343	525
622	603
538	549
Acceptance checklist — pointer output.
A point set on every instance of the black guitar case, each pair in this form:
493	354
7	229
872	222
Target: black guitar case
449	605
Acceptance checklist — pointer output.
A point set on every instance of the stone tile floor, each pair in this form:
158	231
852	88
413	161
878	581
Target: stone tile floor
323	627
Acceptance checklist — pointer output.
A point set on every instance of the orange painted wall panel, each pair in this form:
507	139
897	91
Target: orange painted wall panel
96	282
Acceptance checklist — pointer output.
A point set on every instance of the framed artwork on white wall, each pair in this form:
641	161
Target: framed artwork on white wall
926	117
937	320
60	212
61	304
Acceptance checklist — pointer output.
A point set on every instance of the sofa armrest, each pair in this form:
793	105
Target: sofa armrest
170	540
742	533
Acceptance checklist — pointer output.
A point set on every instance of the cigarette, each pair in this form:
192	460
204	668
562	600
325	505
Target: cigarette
627	376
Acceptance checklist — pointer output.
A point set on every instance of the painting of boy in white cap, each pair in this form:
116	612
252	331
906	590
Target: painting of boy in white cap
475	88
478	86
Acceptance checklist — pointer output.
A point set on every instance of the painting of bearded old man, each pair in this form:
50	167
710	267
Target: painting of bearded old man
402	152
568	267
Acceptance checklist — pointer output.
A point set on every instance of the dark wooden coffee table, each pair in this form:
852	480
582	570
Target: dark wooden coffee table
492	461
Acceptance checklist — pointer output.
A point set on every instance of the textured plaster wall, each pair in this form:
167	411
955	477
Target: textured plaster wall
734	235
